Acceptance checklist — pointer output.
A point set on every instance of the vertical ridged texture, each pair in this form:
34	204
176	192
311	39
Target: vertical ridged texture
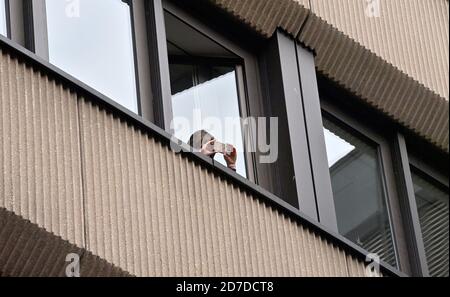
411	34
147	210
155	213
265	16
27	250
40	167
378	83
397	63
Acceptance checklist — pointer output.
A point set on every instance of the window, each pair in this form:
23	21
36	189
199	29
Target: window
432	206
358	189
3	28
94	43
204	85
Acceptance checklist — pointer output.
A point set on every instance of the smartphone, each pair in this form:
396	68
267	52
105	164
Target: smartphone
223	148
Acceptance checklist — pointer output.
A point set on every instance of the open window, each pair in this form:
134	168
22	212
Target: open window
204	81
229	77
207	83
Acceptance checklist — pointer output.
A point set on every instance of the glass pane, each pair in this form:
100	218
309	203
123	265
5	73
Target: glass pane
432	206
93	42
204	88
3	30
213	94
358	191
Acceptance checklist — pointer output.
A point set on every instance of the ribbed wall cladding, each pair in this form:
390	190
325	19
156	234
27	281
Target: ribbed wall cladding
397	63
411	34
378	83
155	213
266	16
40	166
28	250
70	166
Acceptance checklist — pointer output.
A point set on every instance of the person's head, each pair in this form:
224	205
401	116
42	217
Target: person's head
200	138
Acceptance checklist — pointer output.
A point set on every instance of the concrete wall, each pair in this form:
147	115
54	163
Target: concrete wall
412	35
88	176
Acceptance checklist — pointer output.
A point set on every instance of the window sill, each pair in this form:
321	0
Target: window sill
166	138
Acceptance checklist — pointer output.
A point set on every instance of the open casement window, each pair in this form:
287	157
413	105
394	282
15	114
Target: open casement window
432	200
204	80
217	74
3	18
359	189
207	86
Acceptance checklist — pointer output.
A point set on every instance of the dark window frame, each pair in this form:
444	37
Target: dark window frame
387	173
151	59
16	21
246	67
433	177
146	24
291	88
408	162
7	19
424	168
403	210
35	38
242	97
413	235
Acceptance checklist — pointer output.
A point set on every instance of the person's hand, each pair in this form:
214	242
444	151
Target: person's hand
208	148
231	159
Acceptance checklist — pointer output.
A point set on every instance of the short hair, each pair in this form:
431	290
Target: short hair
199	138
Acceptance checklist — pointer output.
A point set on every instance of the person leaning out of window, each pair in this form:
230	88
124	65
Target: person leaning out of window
205	143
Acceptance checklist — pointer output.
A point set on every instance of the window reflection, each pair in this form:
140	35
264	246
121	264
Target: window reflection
207	98
432	206
358	190
3	28
95	45
204	88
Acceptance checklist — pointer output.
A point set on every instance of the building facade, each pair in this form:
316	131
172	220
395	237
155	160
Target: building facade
338	110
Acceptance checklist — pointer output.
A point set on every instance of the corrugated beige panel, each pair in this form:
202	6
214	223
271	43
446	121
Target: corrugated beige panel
378	83
355	268
356	68
265	16
155	213
27	250
358	269
148	211
411	34
40	167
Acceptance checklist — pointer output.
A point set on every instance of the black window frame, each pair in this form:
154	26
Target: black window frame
408	152
16	21
236	63
252	81
32	24
387	175
403	150
151	58
153	95
246	66
7	19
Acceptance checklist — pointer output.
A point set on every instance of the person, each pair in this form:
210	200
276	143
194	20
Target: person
206	144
